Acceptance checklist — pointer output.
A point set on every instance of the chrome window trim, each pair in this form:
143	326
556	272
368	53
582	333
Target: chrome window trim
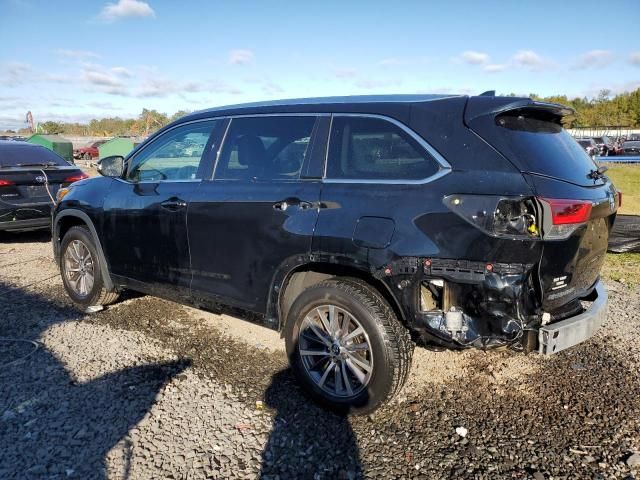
445	167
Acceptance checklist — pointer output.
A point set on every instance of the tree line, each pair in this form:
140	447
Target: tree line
605	109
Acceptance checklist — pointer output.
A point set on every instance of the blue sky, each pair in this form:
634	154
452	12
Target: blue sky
82	59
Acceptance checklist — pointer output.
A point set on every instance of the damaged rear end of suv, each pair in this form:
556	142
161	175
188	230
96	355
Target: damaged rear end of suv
526	274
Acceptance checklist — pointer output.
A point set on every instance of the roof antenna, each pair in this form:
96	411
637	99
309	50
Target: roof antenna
488	93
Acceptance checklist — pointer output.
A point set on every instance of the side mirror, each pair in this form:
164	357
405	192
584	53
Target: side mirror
112	166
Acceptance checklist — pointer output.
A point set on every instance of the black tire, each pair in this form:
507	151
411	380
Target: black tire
390	342
97	294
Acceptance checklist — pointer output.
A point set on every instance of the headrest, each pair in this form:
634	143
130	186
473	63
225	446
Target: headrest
251	150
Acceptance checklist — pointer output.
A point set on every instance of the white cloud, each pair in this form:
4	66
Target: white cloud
121	71
634	59
495	67
124	9
241	57
14	73
79	54
475	58
529	59
594	59
102	78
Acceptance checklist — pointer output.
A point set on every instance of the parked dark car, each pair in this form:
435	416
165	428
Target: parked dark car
30	176
356	226
88	153
589	146
605	146
631	148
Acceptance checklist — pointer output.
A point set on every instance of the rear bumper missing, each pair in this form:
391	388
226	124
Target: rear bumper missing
561	335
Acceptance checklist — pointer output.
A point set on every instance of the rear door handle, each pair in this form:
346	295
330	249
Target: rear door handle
174	204
292	202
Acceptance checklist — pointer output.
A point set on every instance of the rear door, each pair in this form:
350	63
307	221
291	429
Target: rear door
578	204
145	213
258	211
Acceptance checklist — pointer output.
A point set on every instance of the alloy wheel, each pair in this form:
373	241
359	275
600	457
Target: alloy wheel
335	351
79	268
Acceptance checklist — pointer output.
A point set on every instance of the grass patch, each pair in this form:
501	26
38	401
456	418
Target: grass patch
623	268
627	179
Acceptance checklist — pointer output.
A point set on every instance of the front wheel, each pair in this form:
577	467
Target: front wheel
346	346
81	271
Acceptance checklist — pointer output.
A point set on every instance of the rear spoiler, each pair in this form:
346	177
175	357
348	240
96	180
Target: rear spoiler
485	105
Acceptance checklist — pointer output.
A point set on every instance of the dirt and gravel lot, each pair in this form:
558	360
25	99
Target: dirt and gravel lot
152	389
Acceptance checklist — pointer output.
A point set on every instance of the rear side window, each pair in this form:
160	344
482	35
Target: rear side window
536	142
368	148
265	148
28	155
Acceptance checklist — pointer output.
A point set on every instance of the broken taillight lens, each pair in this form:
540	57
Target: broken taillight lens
508	217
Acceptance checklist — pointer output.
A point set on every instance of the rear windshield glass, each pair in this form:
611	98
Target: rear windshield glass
29	155
535	142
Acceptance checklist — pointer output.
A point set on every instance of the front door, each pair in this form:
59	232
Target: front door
145	212
257	212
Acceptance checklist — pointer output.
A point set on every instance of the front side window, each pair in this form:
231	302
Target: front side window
174	156
265	148
368	148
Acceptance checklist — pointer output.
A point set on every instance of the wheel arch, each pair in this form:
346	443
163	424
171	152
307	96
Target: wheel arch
68	218
304	275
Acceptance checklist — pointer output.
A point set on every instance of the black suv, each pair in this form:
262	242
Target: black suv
356	226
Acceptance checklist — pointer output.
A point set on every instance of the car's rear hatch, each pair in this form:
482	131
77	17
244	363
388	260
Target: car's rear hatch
567	184
30	176
21	186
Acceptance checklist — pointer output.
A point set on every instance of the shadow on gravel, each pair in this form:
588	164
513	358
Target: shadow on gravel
50	425
25	237
306	442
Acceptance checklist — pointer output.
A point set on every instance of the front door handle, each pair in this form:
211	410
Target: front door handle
174	204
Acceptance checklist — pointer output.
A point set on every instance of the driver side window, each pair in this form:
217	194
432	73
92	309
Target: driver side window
176	155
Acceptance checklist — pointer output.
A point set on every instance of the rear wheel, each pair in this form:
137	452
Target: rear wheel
346	345
81	272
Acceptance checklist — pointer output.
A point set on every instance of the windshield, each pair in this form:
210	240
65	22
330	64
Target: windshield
26	154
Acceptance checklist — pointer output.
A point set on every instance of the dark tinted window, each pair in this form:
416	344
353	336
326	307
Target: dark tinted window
536	142
265	148
369	148
13	154
175	155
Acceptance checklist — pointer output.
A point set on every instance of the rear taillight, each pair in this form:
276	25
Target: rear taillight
565	212
566	216
75	178
619	198
503	217
6	183
519	218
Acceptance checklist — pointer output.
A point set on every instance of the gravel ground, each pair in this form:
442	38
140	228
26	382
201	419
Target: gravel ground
152	389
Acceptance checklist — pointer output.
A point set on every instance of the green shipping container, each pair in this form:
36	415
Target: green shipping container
56	143
116	146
